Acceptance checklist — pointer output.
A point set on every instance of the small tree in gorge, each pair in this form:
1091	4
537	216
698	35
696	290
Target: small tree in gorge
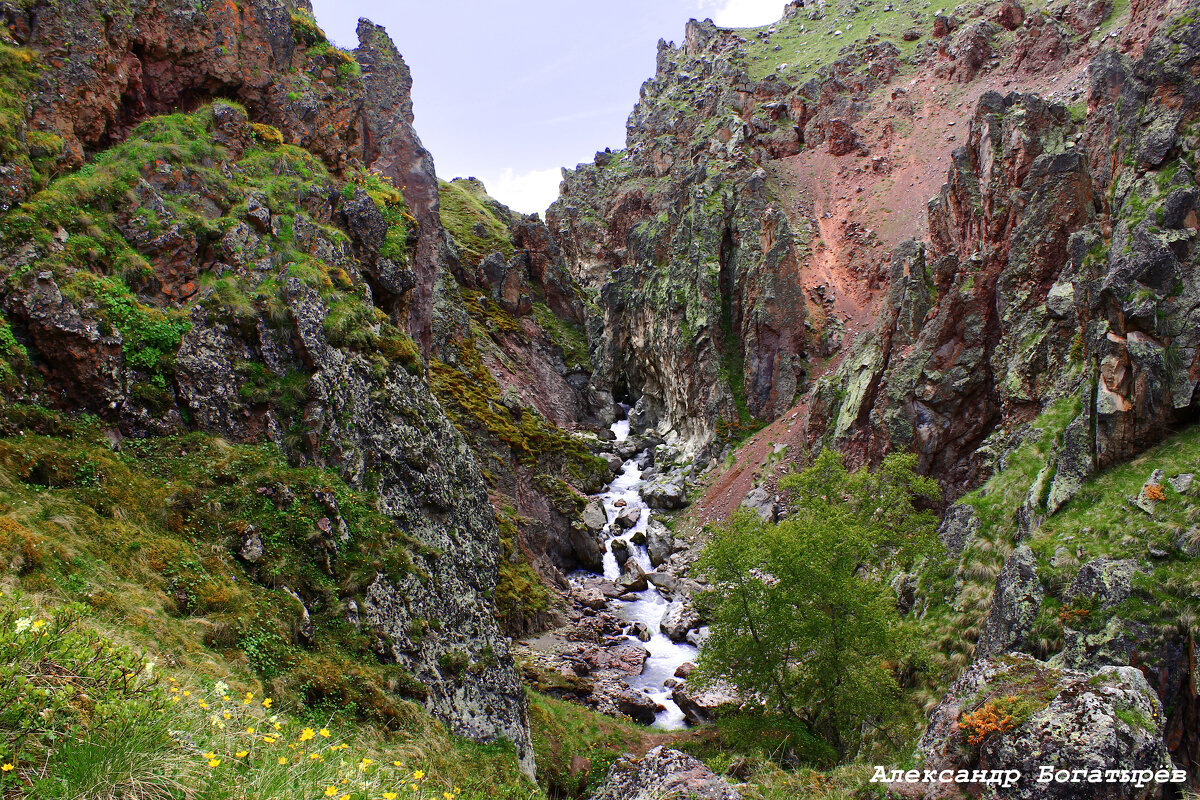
801	613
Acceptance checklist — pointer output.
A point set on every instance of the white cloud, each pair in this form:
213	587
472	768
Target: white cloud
528	192
745	13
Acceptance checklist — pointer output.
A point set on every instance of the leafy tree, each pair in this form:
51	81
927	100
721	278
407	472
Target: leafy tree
801	612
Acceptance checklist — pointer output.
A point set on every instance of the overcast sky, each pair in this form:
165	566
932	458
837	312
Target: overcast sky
510	92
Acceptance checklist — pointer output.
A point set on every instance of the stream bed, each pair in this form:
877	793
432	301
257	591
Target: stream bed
648	605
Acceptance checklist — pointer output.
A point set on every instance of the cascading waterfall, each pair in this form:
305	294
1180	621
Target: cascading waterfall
648	605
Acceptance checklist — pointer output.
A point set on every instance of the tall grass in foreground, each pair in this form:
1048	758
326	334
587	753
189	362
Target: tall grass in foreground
83	718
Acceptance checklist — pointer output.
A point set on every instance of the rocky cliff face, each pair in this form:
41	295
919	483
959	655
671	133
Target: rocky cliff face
237	270
1061	262
689	256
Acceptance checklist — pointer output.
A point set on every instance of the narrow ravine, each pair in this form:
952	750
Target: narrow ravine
648	606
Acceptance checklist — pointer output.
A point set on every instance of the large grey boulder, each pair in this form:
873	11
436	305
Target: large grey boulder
1109	719
700	705
660	544
680	617
663	774
759	501
669	496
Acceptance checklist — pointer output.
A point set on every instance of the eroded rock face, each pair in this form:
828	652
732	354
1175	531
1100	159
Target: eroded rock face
1101	720
681	234
663	773
1062	261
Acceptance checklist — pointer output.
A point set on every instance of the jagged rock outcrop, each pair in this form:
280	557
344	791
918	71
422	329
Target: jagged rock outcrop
1061	262
1109	719
251	288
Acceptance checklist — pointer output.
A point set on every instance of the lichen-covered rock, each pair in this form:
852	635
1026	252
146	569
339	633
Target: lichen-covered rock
1109	719
663	774
959	525
1015	604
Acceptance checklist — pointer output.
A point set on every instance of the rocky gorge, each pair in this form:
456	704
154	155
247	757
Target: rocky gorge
285	410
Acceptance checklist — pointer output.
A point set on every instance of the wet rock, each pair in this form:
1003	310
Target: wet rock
621	551
587	545
684	670
660	543
699	636
663	773
665	582
615	698
1015	604
1101	720
759	501
629	517
639	631
679	618
700	706
588	597
633	577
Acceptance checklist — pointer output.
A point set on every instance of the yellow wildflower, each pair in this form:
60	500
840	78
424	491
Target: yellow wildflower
270	739
315	756
344	797
277	726
266	703
366	762
418	775
397	764
174	698
7	768
242	753
330	791
214	762
210	754
226	715
325	732
307	734
174	688
250	731
448	796
187	694
390	796
203	704
283	759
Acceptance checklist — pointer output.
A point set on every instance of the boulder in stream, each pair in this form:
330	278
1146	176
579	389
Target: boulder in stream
614	697
633	578
680	617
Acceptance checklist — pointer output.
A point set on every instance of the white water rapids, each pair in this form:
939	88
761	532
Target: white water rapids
649	605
